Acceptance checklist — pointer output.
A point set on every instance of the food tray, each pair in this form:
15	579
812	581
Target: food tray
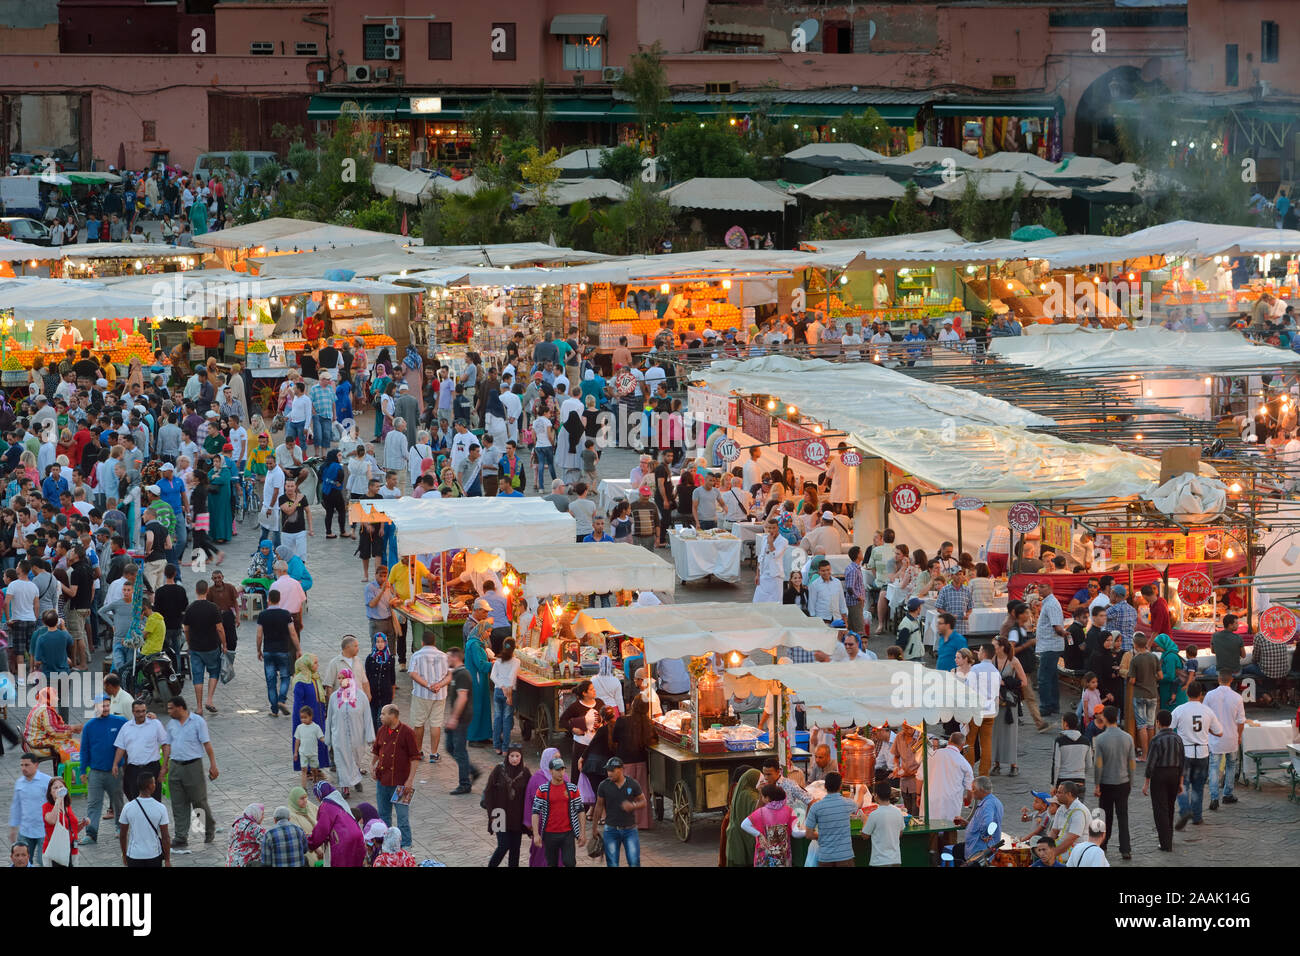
741	746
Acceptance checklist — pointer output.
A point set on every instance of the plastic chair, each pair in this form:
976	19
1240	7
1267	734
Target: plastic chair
77	783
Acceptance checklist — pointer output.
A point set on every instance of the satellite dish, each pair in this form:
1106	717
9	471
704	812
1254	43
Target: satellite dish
871	29
809	28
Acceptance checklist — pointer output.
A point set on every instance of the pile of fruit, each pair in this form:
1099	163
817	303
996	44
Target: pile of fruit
378	341
257	347
134	345
723	314
619	314
847	311
365	328
12	364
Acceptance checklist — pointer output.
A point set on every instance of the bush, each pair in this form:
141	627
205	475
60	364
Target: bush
692	149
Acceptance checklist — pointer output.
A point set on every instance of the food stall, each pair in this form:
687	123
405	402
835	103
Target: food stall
438	530
546	587
869	695
692	764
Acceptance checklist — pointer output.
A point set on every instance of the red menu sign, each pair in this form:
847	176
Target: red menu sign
1277	624
1195	588
905	499
798	442
755	422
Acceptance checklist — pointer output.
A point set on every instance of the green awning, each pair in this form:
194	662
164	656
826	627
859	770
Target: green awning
820	111
995	109
387	107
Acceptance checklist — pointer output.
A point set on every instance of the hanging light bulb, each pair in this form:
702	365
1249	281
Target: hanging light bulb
726	283
1138	436
665	288
817	429
392	310
1235	487
1229	553
1207	380
771	404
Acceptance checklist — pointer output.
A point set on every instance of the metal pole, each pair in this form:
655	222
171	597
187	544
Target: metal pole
959	548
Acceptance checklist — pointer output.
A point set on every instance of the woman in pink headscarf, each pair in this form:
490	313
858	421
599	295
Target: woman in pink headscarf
246	837
336	827
350	730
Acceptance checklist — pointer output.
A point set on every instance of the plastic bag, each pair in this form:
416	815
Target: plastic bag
227	667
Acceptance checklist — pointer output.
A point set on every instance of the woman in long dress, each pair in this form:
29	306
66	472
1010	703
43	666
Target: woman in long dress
480	670
1006	726
495	421
769	579
221	520
336	829
303	812
413	376
350	730
308	692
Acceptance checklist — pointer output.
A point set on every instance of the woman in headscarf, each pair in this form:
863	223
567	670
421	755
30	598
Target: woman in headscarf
392	854
413	374
260	573
45	730
372	833
479	665
744	801
608	687
600	749
382	674
494	421
296	567
303	812
343	402
504	800
536	855
246	834
360	371
1173	683
385	406
308	692
350	731
135	373
221	479
238	390
336	829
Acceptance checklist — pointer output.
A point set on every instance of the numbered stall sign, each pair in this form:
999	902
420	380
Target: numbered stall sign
1023	517
851	459
1195	588
905	499
816	452
1277	624
727	449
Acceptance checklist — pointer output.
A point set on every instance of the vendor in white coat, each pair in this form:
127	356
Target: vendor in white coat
769	553
951	779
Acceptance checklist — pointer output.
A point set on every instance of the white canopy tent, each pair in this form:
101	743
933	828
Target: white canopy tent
579	568
848	151
580	161
1083	353
565	192
710	628
14	251
48	299
429	525
1011	162
738	194
998	185
467	186
933	155
126	250
875	693
1087	167
292	235
853	189
409	186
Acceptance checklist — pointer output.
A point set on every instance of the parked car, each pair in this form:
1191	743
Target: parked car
209	163
21	229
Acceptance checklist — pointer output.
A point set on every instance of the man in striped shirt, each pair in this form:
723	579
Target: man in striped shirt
430	676
284	844
1121	616
955	597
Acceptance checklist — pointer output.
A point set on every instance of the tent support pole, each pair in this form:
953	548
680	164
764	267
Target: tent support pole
925	771
959	547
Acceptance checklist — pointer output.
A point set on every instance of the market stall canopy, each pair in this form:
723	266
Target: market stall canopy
1011	162
409	186
579	568
218	287
1087	167
1134	184
934	155
950	439
680	630
580	161
998	185
1087	352
930	241
73	299
13	251
126	250
1196	238
852	189
467	186
847	151
92	178
565	192
427	525
292	235
738	194
1276	241
369	260
873	693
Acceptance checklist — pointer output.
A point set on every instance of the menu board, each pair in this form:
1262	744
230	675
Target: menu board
755	422
1156	546
799	442
1056	534
710	407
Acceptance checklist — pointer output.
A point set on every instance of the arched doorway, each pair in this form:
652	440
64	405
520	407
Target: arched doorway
1094	119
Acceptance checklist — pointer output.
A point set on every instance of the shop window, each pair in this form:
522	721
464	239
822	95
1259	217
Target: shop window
508	53
149	130
837	36
372	41
1004	81
584	53
439	40
1268	41
1230	64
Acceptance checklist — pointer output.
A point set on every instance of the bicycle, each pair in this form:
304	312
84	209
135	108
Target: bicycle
249	498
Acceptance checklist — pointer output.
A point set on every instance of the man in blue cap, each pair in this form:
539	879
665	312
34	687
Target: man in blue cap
98	749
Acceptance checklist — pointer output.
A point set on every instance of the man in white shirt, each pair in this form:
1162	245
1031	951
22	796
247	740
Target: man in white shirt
238	437
272	489
141	744
1195	723
461	443
1103	596
826	595
396	449
948	335
514	407
752	470
884	827
822	539
986	680
848	651
654	374
951	779
1229	707
849	339
142	829
736	499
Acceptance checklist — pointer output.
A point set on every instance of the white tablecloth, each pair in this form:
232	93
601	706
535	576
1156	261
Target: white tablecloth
982	620
747	530
696	558
1269	735
613	490
838	563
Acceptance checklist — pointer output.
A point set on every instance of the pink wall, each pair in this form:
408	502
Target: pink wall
170	90
1212	24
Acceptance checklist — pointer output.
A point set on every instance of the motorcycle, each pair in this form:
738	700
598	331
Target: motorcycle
154	677
983	858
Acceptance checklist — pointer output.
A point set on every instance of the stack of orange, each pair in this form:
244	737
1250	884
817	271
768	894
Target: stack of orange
378	341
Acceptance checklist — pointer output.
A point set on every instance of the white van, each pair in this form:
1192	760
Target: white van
209	163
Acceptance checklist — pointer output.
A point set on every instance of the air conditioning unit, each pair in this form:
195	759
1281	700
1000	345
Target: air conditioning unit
392	51
306	49
392	32
261	48
611	74
578	79
382	72
358	74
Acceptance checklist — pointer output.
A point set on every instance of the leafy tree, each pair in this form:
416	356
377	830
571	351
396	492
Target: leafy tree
431	220
692	148
381	215
538	173
867	129
978	219
540	224
510	153
240	164
646	82
323	191
477	218
622	164
539	112
489	123
636	226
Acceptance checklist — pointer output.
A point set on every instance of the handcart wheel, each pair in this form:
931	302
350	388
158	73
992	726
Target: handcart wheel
682	811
